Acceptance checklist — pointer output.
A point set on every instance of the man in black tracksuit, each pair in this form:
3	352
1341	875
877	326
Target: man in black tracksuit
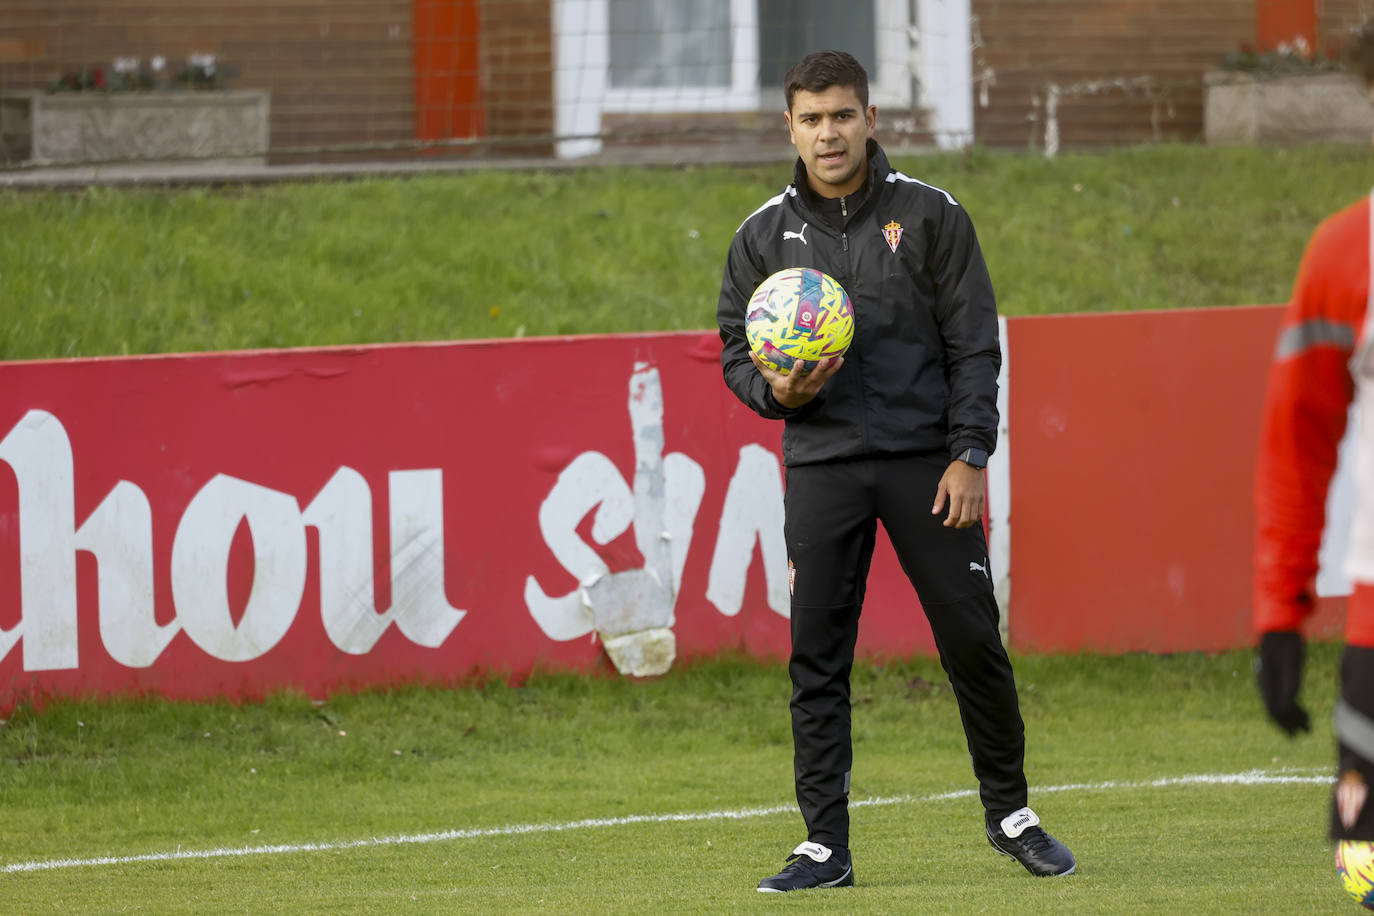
897	430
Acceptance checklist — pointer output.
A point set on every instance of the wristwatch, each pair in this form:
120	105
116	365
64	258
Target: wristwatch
973	456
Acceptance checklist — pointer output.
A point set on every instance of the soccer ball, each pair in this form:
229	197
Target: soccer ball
1355	865
798	317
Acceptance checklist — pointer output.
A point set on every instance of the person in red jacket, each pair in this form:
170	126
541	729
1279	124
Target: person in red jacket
1324	360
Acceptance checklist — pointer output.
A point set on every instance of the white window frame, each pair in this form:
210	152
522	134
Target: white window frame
741	95
942	58
935	49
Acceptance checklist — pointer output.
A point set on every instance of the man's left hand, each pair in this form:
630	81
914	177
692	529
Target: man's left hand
963	486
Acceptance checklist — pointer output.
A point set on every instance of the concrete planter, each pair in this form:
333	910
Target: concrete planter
88	127
1311	108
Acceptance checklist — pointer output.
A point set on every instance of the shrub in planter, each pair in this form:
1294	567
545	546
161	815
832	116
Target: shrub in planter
1285	96
135	113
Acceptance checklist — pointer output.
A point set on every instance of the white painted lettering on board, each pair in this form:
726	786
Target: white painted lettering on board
660	504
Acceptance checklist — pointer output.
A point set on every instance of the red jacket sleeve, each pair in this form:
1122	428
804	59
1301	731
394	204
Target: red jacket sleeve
1306	404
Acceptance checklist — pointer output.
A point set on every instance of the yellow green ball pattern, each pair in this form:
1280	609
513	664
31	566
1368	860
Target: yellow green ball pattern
798	317
1355	864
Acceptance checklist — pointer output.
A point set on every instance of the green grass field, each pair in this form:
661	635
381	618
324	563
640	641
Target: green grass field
469	800
492	254
600	795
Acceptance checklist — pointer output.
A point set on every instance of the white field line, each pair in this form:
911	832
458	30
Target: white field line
1247	778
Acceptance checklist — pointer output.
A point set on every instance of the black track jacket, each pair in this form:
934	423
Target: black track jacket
921	374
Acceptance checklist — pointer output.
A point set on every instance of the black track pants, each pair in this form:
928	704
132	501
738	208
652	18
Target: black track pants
831	521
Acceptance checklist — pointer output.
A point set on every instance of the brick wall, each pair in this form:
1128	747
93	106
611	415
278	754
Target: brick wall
341	71
1338	17
338	71
517	63
1128	71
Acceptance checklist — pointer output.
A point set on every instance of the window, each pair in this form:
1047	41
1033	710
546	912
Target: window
661	44
789	29
666	56
730	55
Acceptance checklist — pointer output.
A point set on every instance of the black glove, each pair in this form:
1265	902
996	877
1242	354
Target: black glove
1278	670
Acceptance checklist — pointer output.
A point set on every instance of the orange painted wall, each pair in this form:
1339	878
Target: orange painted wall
447	53
1282	21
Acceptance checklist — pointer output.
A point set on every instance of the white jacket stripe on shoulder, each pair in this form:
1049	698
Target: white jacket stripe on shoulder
899	176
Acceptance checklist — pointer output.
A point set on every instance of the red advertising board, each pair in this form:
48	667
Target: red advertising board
1133	442
228	524
234	523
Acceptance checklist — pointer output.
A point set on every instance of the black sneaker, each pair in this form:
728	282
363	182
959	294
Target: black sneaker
1020	837
811	865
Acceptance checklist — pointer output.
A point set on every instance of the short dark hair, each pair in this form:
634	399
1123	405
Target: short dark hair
819	70
1360	52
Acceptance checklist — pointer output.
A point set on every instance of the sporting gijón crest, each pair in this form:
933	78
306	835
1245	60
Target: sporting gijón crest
893	233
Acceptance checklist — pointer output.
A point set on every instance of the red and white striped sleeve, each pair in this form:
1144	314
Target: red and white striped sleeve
1306	404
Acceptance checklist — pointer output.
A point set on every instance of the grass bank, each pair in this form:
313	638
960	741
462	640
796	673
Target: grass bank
504	254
